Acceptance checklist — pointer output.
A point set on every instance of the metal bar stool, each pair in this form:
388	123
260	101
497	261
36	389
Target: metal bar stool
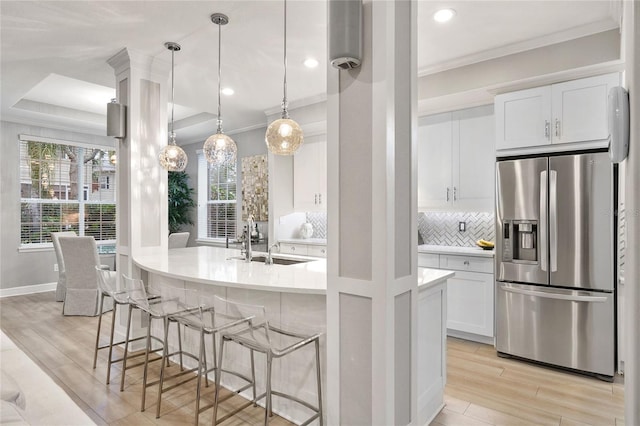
259	336
108	288
210	319
172	301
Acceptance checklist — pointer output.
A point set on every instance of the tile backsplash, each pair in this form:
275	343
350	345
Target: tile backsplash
436	228
319	222
441	228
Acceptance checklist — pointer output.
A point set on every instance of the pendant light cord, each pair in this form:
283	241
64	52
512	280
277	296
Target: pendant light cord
219	76
172	89
285	106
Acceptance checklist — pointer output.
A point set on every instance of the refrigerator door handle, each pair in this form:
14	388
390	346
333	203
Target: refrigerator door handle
553	220
543	220
558	296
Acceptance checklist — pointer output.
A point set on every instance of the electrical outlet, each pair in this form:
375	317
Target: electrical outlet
55	267
462	226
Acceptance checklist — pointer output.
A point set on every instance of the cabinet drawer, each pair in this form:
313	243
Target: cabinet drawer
467	263
428	260
317	251
287	248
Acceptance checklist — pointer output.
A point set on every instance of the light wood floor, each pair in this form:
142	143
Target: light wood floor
485	389
481	388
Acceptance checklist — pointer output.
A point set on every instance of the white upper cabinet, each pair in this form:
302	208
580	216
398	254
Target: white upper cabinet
474	159
579	108
570	112
310	177
523	118
435	147
456	160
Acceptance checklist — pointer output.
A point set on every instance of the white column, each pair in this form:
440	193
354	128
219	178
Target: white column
631	54
372	237
142	218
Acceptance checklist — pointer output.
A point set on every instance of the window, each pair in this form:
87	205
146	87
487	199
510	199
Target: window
216	200
65	187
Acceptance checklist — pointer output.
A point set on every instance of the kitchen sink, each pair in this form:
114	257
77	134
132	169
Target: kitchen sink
280	260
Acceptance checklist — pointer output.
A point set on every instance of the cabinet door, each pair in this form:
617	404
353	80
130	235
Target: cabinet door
580	108
310	176
470	300
434	161
523	118
474	159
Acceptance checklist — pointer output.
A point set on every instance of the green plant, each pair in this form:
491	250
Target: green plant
180	200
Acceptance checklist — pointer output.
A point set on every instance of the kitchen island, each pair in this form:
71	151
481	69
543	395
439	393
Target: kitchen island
295	296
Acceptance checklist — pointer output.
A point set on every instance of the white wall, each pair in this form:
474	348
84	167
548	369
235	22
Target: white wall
26	268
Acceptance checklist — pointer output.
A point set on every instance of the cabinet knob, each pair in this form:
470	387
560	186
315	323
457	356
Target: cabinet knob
319	198
293	249
455	196
315	200
557	128
447	193
466	262
323	251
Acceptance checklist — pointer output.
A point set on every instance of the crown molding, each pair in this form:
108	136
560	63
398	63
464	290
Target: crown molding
510	49
557	77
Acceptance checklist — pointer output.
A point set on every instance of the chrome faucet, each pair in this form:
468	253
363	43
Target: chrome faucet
269	260
247	240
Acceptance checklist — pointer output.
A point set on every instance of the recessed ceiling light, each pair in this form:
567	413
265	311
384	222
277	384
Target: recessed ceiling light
311	63
227	91
444	15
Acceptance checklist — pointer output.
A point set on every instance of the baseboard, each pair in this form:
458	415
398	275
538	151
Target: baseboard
27	289
470	336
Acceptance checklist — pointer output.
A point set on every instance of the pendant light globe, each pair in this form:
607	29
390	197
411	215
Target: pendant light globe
220	148
172	157
284	136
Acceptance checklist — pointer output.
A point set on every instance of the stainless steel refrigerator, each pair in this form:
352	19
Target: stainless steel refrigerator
555	261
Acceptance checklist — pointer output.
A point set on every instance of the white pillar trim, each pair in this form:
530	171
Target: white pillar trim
631	55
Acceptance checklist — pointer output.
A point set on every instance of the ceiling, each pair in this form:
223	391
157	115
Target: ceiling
54	54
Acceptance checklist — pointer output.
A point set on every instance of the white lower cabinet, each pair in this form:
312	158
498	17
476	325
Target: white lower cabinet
432	351
470	303
317	251
470	294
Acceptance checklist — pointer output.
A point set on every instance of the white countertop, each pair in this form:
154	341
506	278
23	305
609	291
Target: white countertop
310	241
428	277
474	251
212	265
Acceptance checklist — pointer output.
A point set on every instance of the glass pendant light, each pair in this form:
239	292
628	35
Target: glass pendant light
172	157
220	148
284	136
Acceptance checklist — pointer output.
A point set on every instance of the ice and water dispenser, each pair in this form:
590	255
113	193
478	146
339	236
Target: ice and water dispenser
520	241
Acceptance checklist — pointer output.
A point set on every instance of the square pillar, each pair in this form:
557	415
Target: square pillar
142	217
372	216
